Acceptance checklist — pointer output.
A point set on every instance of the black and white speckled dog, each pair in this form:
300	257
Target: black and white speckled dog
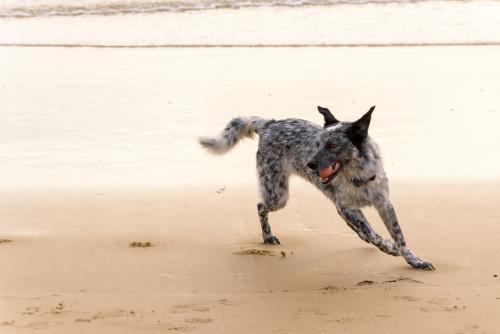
340	159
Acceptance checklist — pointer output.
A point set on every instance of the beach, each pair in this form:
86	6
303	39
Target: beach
70	267
114	220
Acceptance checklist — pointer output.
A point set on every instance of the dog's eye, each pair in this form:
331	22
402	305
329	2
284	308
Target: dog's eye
331	146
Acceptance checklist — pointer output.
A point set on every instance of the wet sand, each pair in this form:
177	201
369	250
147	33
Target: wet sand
99	151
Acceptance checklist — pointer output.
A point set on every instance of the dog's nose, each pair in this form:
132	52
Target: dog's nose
312	165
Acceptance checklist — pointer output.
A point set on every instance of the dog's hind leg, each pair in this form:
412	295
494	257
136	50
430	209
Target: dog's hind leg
268	237
273	182
357	221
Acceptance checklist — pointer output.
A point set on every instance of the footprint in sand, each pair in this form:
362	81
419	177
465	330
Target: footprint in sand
83	320
7	323
198	320
181	328
329	289
111	314
441	304
406	298
345	320
342	320
189	322
37	325
254	251
438	301
31	310
58	309
313	311
106	315
224	302
188	328
189	308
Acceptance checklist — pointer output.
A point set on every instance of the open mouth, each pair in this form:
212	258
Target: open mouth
327	174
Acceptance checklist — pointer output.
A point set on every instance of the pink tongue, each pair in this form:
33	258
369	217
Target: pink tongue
326	172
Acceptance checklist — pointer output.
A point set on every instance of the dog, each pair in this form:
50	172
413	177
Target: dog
340	159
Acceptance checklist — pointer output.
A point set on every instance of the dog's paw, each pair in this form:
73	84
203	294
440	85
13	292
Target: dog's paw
423	265
415	261
271	240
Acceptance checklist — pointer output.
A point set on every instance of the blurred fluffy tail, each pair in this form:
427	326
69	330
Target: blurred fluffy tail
235	130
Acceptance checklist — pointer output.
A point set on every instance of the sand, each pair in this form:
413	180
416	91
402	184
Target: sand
89	177
70	267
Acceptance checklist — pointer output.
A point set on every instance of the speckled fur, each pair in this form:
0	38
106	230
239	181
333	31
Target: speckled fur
295	146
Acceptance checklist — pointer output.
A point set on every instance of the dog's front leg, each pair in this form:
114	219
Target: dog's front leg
357	221
388	215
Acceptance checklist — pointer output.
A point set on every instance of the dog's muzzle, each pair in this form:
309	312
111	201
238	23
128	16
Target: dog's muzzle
326	174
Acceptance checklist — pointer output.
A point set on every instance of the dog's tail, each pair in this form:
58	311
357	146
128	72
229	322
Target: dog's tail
235	130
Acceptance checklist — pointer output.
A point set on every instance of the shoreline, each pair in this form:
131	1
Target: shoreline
321	45
410	23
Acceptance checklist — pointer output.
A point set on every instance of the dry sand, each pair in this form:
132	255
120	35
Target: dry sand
70	267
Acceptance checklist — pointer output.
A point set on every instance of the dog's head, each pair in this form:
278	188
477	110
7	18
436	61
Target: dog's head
338	144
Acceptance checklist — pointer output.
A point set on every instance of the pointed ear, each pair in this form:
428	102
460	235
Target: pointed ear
329	118
358	131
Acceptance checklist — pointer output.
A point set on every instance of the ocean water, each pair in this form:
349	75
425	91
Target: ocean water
166	23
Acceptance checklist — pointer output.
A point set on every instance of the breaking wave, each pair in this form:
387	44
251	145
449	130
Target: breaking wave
34	8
